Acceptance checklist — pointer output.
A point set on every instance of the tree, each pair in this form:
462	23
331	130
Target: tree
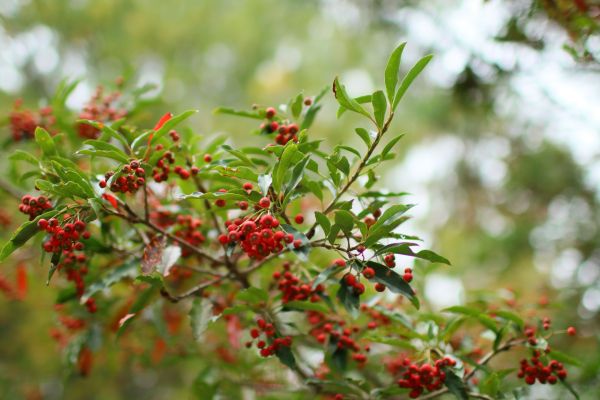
150	224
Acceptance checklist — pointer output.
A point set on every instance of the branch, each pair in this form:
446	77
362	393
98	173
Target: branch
356	174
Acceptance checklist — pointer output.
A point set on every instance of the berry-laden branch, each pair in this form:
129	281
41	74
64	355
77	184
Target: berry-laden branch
228	228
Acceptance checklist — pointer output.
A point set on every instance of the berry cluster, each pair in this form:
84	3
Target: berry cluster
270	344
188	231
66	237
293	289
99	108
370	220
337	334
420	378
130	179
24	122
257	237
353	282
534	369
163	168
377	318
285	131
390	260
34	206
75	268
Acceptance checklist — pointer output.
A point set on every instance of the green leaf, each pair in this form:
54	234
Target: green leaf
393	282
326	274
346	101
379	107
510	316
364	135
392	341
285	355
409	78
345	220
392	71
103	153
388	147
44	140
472	312
297	104
405	249
116	152
323	221
304	249
24	233
306	306
455	385
281	168
125	271
22	155
564	358
297	174
231	111
201	314
172	123
570	388
349	299
253	295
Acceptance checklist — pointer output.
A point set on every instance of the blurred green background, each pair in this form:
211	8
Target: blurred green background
501	153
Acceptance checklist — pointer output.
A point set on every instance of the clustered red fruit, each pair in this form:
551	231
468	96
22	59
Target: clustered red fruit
24	122
408	277
34	206
534	369
530	333
420	378
130	179
101	109
285	131
293	289
336	334
389	260
162	170
188	230
66	236
271	343
354	283
256	236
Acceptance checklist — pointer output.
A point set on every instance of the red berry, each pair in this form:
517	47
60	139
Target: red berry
571	331
207	158
270	112
368	272
220	202
407	277
247	186
339	262
299	219
264	202
379	287
102	184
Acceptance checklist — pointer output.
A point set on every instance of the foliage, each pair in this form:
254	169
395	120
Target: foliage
188	226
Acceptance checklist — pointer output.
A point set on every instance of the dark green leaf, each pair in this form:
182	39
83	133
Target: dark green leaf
349	299
326	274
379	107
388	147
231	111
253	295
323	221
364	135
44	140
393	282
455	385
409	78
345	220
346	101
24	233
392	71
